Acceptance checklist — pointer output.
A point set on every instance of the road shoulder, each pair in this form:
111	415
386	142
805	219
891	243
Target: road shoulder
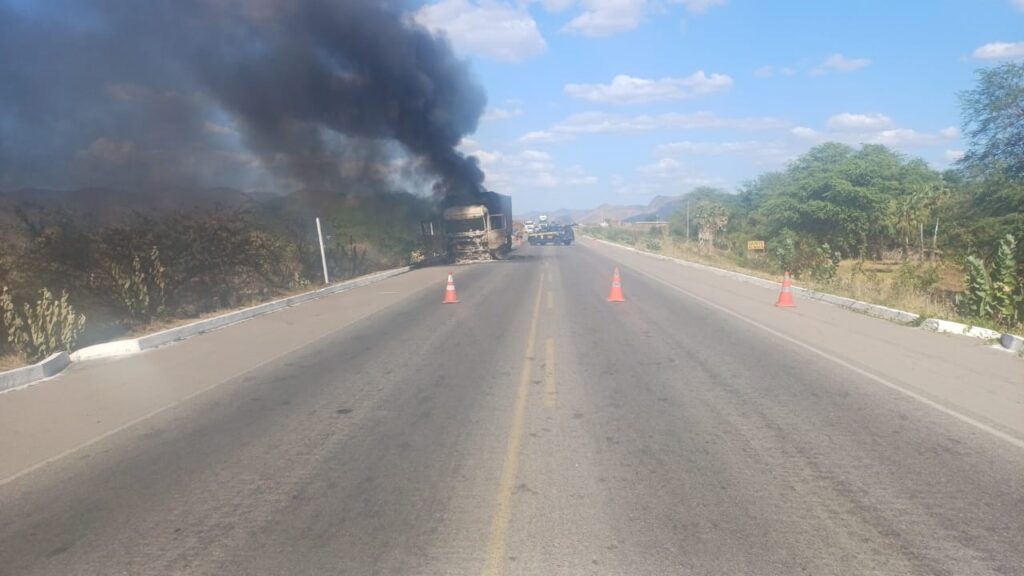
92	400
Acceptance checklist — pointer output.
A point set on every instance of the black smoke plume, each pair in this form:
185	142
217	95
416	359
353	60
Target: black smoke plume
163	94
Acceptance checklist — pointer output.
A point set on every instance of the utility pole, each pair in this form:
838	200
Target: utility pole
323	255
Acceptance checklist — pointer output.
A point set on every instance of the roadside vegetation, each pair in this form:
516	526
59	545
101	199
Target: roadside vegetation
67	283
873	225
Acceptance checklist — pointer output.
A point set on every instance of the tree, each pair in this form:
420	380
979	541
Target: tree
711	217
993	121
857	201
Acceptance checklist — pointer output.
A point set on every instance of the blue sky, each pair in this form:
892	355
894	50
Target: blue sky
594	101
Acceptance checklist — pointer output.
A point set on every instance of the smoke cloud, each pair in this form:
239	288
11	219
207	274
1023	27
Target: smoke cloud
163	94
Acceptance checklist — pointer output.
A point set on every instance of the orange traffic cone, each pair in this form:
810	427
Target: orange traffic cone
615	295
786	296
450	297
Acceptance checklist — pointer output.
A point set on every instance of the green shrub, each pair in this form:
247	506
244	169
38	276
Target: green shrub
783	251
995	295
1005	294
142	288
43	329
977	300
825	265
921	279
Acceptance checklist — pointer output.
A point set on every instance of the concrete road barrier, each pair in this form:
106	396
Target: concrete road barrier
27	374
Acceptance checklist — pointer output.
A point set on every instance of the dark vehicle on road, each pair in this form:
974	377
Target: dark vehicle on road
567	235
552	234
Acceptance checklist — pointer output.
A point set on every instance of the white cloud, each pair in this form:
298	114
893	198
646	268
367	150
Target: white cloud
524	171
556	5
487	158
488	27
701	6
1018	4
495	114
769	154
576	175
544	137
602	123
952	155
848	121
708	148
900	137
662	167
665	176
1000	50
857	129
535	156
805	133
631	90
839	63
607	17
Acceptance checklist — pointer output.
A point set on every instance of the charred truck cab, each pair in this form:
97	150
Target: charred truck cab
479	231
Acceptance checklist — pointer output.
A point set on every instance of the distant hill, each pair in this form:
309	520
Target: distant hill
565	216
659	208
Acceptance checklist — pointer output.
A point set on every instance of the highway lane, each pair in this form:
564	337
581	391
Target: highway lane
533	428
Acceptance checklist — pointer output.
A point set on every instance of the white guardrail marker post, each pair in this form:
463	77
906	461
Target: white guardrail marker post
323	256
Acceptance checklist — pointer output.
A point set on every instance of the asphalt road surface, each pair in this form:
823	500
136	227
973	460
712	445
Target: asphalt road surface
534	428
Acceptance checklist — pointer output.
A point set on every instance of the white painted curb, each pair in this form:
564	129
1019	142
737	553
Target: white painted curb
27	374
841	301
949	327
107	349
58	362
1012	342
876	310
1008	341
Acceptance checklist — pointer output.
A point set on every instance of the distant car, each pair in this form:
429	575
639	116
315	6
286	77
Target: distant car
567	235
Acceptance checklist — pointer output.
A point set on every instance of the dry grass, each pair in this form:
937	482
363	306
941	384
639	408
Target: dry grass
883	289
876	282
951	278
10	362
168	323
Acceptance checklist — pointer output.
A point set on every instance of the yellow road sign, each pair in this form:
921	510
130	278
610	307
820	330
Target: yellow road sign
755	244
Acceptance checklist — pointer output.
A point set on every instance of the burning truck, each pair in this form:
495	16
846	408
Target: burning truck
473	229
481	230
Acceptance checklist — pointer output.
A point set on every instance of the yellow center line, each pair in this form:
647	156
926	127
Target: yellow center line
499	525
550	393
